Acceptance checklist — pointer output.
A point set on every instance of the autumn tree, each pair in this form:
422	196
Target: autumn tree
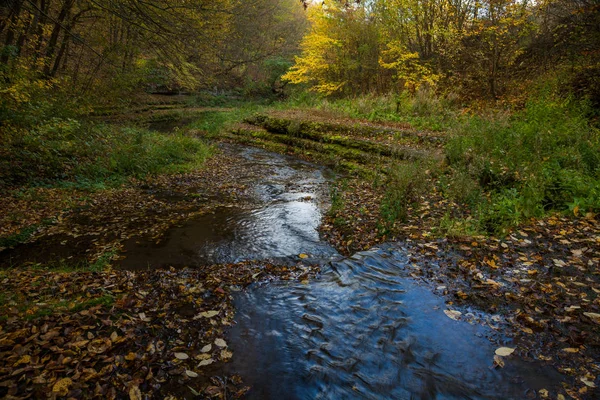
340	52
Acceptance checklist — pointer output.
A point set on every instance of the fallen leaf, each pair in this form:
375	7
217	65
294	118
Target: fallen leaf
135	393
225	354
206	362
61	387
453	314
504	351
206	348
571	350
593	316
143	317
302	255
181	356
498	361
208	314
26	359
220	343
191	374
99	346
587	382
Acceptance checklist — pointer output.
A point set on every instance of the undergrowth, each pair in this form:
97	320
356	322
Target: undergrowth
503	166
68	152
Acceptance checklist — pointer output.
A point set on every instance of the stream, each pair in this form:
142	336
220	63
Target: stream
363	329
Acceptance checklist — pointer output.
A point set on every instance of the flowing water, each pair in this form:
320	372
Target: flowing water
288	202
364	329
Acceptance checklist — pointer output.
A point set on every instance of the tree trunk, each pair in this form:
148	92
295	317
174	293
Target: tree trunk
58	26
10	34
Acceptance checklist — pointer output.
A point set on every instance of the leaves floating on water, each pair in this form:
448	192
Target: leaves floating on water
498	361
302	255
181	356
206	362
504	351
455	315
220	342
226	354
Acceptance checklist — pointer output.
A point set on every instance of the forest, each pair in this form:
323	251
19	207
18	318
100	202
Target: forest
287	139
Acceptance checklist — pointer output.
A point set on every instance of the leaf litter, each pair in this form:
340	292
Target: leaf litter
89	340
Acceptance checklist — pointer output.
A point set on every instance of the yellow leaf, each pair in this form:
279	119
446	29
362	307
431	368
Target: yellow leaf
571	350
453	314
61	387
504	351
302	255
26	359
134	393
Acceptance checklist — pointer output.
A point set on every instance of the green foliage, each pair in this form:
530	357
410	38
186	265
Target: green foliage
212	123
423	110
405	183
337	197
21	237
543	158
88	154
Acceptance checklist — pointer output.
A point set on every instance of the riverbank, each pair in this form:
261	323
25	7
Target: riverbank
539	280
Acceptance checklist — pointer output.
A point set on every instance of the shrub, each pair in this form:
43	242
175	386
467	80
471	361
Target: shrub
404	184
543	158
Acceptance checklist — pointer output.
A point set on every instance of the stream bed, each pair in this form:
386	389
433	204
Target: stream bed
366	330
287	202
363	329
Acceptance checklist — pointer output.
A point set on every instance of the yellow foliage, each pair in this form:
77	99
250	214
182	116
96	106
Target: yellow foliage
409	71
318	60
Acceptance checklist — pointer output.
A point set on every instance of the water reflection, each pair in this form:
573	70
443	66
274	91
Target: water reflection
364	330
288	202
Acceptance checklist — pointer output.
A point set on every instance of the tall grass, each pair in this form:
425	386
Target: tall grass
502	166
424	110
543	158
87	154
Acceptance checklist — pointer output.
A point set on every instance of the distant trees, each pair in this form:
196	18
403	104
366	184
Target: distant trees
116	44
481	48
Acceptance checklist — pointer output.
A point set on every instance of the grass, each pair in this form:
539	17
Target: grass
402	188
544	158
502	166
70	153
17	238
50	305
424	110
213	123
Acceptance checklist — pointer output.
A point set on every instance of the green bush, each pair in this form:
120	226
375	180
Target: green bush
543	158
91	154
403	186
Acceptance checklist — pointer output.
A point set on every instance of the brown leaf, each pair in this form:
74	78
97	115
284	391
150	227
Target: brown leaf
99	346
135	393
61	387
